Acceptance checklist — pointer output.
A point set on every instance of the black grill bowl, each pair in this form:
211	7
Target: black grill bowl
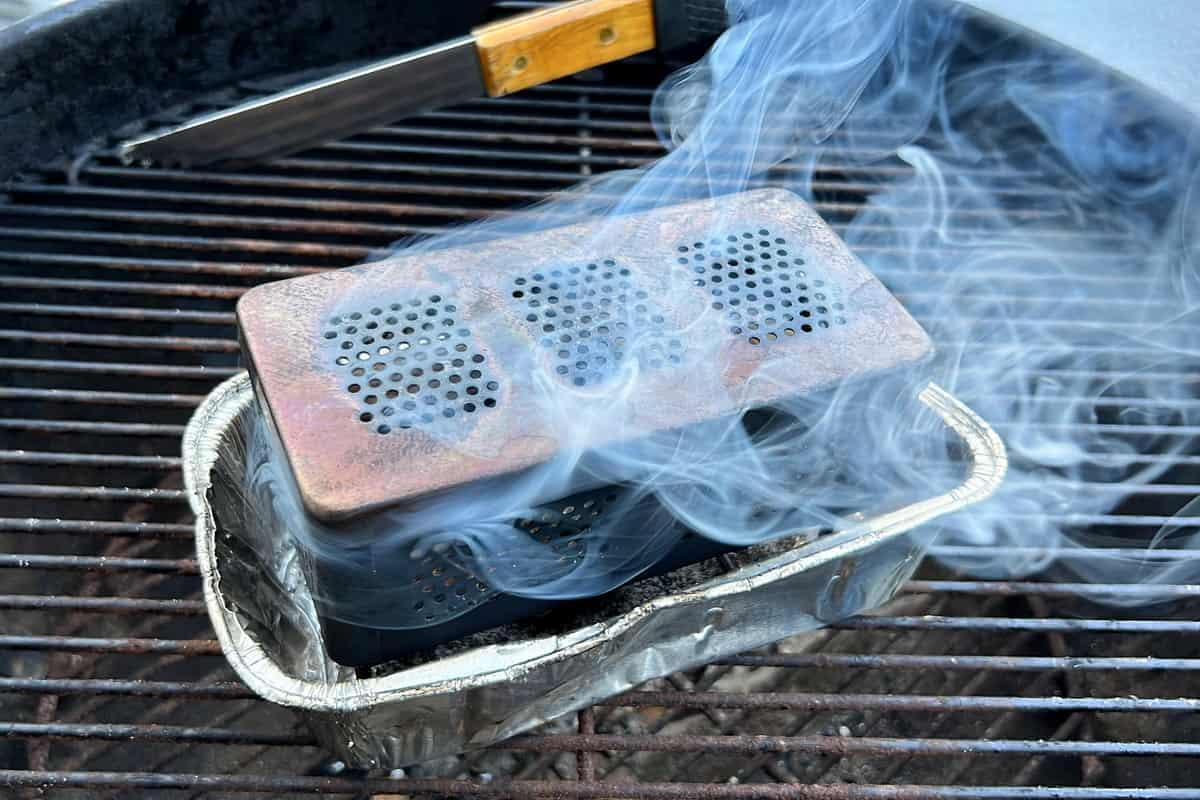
86	69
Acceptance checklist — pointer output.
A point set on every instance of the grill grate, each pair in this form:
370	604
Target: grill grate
118	285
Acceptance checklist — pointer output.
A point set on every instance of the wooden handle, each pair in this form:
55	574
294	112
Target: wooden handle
543	45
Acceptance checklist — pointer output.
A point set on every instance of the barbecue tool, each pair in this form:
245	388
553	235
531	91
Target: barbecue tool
494	60
393	383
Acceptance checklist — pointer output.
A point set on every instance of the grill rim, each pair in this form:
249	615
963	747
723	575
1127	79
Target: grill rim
145	56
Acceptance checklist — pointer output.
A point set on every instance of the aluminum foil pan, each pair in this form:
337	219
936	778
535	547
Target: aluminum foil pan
267	626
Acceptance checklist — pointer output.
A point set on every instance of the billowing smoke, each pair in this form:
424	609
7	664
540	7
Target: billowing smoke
1064	306
1040	219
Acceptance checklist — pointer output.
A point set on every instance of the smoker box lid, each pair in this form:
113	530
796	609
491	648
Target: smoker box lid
399	379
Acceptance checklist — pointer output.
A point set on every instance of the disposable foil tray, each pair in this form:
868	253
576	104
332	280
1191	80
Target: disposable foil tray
268	627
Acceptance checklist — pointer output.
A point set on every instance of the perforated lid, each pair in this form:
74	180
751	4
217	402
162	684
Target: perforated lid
398	379
410	364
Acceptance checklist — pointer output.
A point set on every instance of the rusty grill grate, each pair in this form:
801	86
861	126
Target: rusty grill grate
118	285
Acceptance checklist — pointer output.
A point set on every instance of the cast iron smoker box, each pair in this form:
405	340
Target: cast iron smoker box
426	375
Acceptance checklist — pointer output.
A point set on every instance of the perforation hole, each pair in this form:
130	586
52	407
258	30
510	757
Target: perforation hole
563	525
403	388
584	314
444	585
765	291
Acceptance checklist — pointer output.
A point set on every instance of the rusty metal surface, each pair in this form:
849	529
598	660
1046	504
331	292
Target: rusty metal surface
852	328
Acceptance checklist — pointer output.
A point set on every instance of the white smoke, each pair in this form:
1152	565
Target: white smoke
1037	216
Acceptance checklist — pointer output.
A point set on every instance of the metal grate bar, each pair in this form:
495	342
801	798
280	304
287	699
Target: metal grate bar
121	341
961	662
838	702
183	566
124	287
175	266
100	398
362	208
741	745
133	646
1041	625
554	789
259	247
110	312
800	661
96	527
1100	553
45	491
197	691
205	373
89	460
843	745
1027	588
291	182
679	699
101	428
152	733
107	605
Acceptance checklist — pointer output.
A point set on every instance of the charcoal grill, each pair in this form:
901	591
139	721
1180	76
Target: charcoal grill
118	286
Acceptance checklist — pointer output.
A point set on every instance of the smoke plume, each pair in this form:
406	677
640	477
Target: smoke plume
1040	218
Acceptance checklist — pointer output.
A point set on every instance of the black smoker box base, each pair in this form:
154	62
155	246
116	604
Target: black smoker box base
422	378
361	646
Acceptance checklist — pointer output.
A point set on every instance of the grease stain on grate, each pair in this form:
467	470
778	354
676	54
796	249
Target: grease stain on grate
591	317
410	364
761	286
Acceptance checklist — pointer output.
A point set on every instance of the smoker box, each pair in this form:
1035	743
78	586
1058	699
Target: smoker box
432	361
441	371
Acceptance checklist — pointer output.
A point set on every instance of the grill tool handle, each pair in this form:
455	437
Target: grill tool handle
534	48
494	60
560	40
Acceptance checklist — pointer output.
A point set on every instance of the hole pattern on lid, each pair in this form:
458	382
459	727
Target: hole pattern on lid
761	286
410	364
564	525
589	315
444	586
